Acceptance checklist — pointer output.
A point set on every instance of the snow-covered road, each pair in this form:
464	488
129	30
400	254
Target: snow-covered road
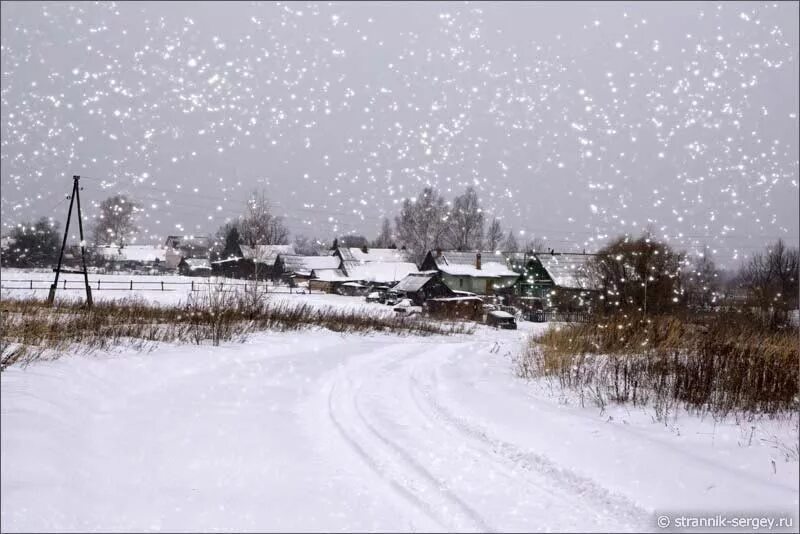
319	431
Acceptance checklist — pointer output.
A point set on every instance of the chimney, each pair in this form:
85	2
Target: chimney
478	261
438	253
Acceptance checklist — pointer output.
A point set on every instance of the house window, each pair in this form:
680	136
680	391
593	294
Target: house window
460	282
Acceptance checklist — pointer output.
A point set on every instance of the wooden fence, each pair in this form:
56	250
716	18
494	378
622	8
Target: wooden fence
134	285
557	316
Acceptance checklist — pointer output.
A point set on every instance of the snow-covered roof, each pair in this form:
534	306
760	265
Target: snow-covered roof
414	281
567	270
226	260
187	241
265	253
353	284
493	264
375	254
197	263
456	299
375	271
140	253
330	275
305	264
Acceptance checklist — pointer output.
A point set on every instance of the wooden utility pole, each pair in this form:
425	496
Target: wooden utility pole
75	198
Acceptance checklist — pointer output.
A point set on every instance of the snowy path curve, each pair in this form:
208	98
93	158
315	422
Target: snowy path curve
385	407
326	432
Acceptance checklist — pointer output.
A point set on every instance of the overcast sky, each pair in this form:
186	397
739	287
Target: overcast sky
575	121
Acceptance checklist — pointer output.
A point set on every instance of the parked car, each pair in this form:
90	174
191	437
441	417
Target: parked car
501	319
375	296
390	298
406	307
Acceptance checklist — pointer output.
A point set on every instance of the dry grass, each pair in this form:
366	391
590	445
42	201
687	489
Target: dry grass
719	365
29	329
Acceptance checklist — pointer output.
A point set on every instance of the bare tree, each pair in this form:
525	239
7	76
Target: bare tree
259	226
771	281
115	224
638	274
494	235
701	280
422	223
534	244
466	222
353	240
384	239
308	247
510	244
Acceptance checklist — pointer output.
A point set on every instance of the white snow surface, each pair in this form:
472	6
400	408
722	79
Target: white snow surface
317	431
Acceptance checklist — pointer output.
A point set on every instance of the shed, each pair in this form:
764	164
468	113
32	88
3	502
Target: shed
194	267
300	267
422	286
470	308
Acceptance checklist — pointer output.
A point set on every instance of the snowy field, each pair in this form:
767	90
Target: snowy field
326	432
177	289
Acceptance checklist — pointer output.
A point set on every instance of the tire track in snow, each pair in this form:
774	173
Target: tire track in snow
406	456
375	466
564	478
385	457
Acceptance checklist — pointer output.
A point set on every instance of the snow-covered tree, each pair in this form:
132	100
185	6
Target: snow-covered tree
494	235
423	222
384	239
510	244
116	221
466	222
259	226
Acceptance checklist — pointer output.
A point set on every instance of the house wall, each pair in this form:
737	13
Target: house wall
465	283
173	258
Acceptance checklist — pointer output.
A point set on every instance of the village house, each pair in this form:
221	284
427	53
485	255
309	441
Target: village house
129	257
375	266
558	280
482	273
252	262
421	286
296	268
263	257
178	247
194	267
327	280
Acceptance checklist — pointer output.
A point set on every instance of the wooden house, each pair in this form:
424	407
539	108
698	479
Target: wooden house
194	267
130	257
299	268
377	265
327	280
482	273
558	280
178	247
252	262
421	286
